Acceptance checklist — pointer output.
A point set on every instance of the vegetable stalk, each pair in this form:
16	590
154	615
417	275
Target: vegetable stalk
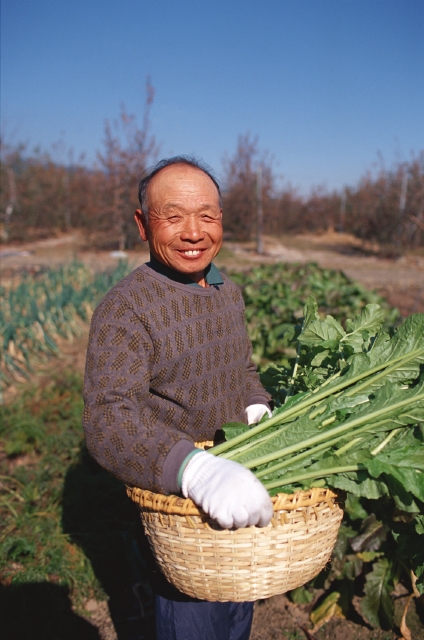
309	400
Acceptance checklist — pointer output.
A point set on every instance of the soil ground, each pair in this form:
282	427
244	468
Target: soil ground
400	280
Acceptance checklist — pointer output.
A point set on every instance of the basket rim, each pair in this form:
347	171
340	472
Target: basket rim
177	505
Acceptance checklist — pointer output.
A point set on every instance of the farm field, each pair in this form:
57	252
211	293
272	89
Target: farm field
400	281
74	533
56	401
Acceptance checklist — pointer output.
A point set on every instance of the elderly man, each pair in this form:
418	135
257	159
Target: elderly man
168	363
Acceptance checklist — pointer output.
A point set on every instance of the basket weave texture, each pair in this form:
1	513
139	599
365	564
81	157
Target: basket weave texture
210	563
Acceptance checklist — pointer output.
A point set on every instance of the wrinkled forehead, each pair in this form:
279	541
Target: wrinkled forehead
181	181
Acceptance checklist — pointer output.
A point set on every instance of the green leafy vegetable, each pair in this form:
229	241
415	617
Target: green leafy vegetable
353	423
349	414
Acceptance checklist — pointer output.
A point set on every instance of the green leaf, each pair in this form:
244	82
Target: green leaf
233	429
336	325
319	358
381	340
319	332
359	484
419	527
301	596
403	501
402	470
310	311
272	376
377	605
354	508
363	327
407	339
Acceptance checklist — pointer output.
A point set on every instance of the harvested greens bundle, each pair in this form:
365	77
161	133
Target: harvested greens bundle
349	416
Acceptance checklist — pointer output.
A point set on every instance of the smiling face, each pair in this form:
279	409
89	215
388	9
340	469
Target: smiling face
184	227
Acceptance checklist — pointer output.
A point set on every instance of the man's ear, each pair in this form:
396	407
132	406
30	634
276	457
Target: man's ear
141	224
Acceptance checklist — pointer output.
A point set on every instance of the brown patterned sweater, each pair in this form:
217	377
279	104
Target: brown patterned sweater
167	365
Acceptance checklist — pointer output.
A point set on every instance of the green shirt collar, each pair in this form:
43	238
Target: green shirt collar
212	275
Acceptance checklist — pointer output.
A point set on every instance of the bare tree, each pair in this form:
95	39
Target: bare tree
240	191
127	151
389	208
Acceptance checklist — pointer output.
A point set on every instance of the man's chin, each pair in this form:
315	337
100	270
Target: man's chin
191	265
191	271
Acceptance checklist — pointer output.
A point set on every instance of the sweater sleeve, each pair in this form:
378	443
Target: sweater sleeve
255	393
122	431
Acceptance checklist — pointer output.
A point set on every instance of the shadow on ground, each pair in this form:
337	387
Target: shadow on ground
100	518
41	611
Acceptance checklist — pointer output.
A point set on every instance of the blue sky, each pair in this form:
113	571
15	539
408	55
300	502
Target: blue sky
328	86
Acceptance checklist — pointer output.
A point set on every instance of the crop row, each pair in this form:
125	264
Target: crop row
39	311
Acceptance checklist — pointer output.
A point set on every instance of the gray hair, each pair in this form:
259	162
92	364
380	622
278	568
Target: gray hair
166	162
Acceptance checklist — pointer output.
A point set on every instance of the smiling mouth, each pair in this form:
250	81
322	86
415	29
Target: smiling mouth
191	253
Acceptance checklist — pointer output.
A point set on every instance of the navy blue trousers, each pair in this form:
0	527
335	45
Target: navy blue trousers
200	620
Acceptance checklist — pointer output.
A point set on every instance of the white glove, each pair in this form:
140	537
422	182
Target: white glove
226	491
255	412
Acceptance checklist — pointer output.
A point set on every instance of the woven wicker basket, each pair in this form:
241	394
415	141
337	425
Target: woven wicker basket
236	565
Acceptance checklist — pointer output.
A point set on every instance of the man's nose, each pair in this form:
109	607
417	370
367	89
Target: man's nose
192	229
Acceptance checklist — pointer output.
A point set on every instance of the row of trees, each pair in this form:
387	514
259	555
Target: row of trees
386	207
40	196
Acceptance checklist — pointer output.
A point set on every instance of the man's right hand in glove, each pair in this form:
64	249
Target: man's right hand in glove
226	491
